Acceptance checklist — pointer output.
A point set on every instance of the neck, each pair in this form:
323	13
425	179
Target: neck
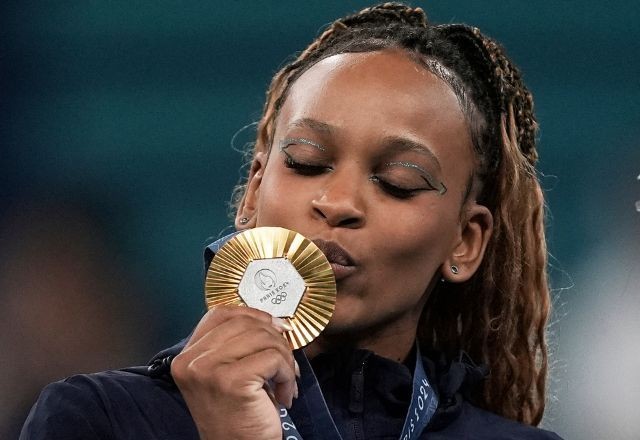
394	344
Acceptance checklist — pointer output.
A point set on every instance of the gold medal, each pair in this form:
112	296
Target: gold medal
279	272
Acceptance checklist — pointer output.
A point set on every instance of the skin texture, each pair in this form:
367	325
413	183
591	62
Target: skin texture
354	108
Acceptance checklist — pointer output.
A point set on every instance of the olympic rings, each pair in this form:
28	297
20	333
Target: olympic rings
279	298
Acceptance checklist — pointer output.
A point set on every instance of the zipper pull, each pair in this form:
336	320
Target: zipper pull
356	397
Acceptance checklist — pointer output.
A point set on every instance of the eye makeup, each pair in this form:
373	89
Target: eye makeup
286	142
401	185
301	163
434	183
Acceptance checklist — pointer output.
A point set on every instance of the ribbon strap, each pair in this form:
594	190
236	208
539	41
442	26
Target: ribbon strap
424	402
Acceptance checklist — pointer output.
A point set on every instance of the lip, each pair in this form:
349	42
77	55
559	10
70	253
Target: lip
341	262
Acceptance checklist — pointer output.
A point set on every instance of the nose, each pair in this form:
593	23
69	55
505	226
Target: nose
340	203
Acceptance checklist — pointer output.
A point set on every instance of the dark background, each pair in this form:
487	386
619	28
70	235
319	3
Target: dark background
116	166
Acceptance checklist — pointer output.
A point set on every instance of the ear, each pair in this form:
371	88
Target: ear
468	251
247	209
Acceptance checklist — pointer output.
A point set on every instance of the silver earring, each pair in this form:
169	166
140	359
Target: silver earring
244	220
454	269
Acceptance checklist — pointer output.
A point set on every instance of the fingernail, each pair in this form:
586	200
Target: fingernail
281	324
296	368
295	391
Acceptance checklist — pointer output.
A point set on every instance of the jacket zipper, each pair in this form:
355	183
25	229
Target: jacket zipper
356	400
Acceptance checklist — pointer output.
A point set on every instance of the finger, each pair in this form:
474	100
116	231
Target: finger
286	392
280	324
236	338
220	314
267	365
226	351
226	344
267	389
247	344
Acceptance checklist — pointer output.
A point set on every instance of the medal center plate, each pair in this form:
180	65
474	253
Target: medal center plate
272	285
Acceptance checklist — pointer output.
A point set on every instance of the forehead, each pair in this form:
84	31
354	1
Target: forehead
385	84
378	94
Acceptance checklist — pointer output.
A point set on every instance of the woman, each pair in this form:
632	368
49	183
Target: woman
406	151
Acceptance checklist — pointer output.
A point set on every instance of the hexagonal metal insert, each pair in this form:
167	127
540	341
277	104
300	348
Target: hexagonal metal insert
272	285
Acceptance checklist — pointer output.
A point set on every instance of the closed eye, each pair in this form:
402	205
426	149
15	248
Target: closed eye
394	190
432	184
304	169
305	161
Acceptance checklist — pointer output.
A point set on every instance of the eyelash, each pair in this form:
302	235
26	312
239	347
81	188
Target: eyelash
315	170
303	168
393	190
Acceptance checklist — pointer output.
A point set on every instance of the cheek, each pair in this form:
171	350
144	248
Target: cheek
423	240
279	197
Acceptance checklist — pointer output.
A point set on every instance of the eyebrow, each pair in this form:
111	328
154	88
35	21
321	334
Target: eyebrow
315	125
396	143
402	144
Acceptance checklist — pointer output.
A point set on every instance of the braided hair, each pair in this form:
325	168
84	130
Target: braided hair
499	316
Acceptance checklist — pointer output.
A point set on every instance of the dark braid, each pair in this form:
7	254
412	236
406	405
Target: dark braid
499	315
387	14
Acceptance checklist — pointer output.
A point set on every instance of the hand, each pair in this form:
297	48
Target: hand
224	373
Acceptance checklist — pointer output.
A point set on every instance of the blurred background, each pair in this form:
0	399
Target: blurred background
116	167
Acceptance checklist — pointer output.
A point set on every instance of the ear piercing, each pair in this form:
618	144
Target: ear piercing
244	220
454	270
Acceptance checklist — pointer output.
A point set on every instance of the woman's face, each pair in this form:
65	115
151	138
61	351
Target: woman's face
371	153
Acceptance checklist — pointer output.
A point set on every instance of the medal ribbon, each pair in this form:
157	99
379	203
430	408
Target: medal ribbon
424	402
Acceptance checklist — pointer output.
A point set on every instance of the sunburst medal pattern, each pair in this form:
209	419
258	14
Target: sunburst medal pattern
277	271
